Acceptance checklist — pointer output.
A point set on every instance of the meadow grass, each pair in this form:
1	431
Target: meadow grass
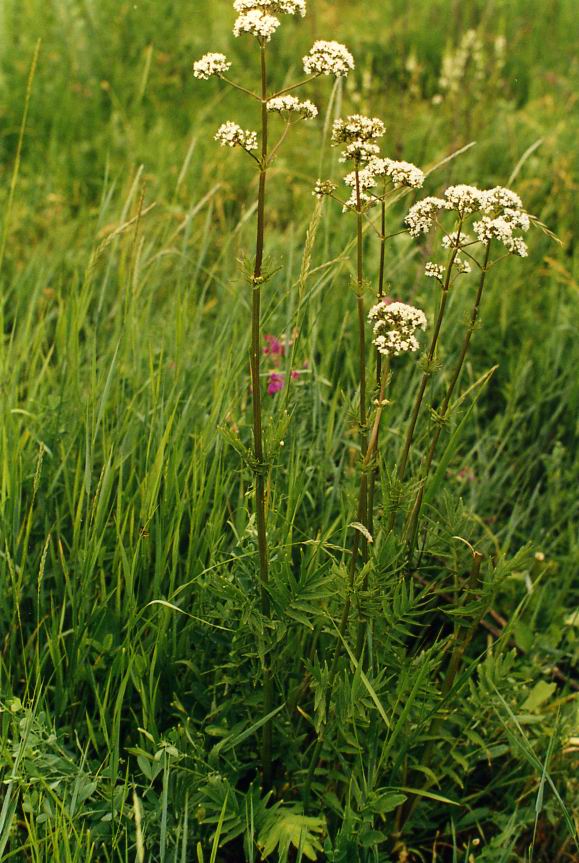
132	633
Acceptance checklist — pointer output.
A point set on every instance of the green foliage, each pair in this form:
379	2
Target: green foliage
132	641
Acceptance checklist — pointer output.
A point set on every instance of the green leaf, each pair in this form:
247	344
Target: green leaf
540	693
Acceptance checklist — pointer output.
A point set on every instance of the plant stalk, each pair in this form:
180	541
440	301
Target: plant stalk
412	526
260	467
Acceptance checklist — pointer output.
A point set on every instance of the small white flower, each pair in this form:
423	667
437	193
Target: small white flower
328	58
232	135
366	179
401	173
365	201
256	22
395	327
466	199
499	197
291	104
500	229
323	188
454	240
421	216
356	128
359	151
288	7
211	64
462	266
433	271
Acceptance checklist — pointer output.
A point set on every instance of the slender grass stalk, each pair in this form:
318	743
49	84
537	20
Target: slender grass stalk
426	375
356	542
412	523
260	467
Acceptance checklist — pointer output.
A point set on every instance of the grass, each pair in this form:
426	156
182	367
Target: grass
131	634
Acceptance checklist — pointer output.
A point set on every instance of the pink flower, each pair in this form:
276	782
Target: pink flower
295	376
274	346
275	384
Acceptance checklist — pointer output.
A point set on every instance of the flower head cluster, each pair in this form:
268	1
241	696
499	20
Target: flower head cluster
422	215
232	135
360	182
211	64
257	23
395	326
278	7
434	271
501	212
501	229
291	104
357	127
328	58
324	188
401	173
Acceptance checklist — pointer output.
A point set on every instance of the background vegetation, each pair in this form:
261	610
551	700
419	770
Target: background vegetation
127	727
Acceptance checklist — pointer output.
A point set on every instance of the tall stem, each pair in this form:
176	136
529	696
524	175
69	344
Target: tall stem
378	356
443	411
342	629
426	375
260	468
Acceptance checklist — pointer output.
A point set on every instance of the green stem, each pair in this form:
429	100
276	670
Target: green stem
412	526
260	467
342	629
426	375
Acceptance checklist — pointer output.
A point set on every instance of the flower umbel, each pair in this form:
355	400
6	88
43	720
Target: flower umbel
395	327
211	64
328	58
293	105
257	23
232	135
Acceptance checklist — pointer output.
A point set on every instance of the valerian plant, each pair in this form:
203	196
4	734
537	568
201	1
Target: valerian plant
259	19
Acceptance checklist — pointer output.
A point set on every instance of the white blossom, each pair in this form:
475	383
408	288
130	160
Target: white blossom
499	228
232	135
256	22
211	64
328	58
462	266
395	326
291	104
359	151
357	127
433	271
421	216
323	188
288	7
366	179
456	240
401	173
499	197
466	199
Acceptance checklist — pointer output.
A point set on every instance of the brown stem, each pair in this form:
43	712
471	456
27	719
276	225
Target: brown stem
260	467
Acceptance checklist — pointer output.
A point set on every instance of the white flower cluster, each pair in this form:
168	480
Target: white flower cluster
454	240
291	104
211	64
257	23
433	271
232	135
502	213
366	180
395	326
328	58
287	7
359	151
501	229
323	188
401	173
355	128
422	215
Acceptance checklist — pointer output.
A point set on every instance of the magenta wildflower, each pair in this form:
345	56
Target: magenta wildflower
275	384
274	346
